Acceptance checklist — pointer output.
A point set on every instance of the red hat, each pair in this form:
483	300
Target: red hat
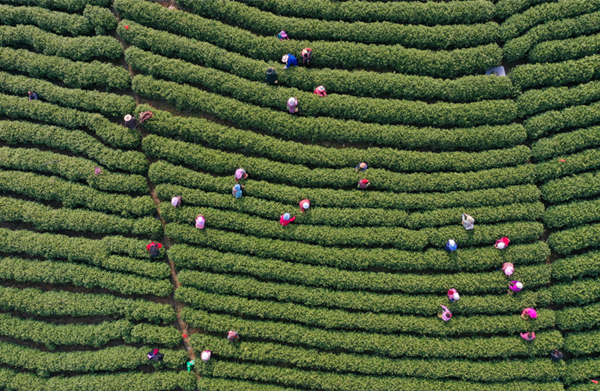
364	180
126	27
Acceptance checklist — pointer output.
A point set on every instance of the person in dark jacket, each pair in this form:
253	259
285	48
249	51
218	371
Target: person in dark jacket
556	355
154	249
306	56
32	95
272	77
154	355
130	122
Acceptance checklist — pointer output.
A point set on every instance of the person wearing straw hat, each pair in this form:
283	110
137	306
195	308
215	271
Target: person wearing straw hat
285	219
453	295
363	184
292	105
130	122
304	205
320	90
289	61
240	174
200	222
450	246
306	56
205	355
272	76
529	313
508	268
237	191
468	222
362	167
446	315
176	201
528	336
514	287
282	35
502	243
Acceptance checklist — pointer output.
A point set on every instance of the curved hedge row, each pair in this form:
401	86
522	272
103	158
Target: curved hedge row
535	101
582	161
554	75
75	141
562	144
554	121
50	272
56	22
217	161
350	216
336	106
163	172
576	186
506	8
96	335
355	82
543	13
348	382
72	195
71	168
112	105
453	63
48	44
572	214
214	135
567	241
578	292
283	124
567	49
102	19
76	250
583	343
121	358
45	218
75	74
65	5
409	12
582	369
518	48
318	277
113	134
274	354
587	264
578	318
62	303
410	35
375	344
234	285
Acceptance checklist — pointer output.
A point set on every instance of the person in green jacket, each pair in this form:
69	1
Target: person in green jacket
272	76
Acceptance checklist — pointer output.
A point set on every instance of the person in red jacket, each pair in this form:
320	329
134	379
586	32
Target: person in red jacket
502	243
304	205
320	90
285	219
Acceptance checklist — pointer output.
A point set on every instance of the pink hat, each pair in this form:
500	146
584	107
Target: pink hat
531	312
205	356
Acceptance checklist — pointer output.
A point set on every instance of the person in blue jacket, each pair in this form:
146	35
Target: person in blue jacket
450	246
237	191
289	61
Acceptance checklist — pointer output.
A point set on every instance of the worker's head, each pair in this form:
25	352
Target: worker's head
29	92
155	351
205	355
128	117
451	291
237	187
456	296
501	245
363	165
200	219
532	313
270	70
283	34
451	242
285	58
305	205
292	101
519	285
509	270
321	88
286	216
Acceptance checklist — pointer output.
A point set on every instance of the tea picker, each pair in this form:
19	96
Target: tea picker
445	315
502	243
240	174
272	76
176	201
306	56
200	222
282	35
292	105
450	245
130	122
363	183
468	221
154	355
304	205
154	249
237	191
514	287
32	95
233	336
362	167
320	90
529	313
453	295
289	61
528	336
285	219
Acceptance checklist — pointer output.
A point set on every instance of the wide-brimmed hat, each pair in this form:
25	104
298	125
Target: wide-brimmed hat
285	58
362	165
270	70
519	285
292	101
286	216
306	205
501	245
451	242
128	117
237	187
321	88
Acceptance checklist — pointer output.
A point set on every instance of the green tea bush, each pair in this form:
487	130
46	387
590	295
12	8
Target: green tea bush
53	21
566	143
582	369
557	74
577	266
101	18
578	292
583	343
578	318
582	161
575	186
566	49
506	8
567	241
535	101
554	121
65	5
572	214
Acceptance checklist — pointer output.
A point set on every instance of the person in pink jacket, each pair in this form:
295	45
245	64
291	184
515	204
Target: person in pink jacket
508	268
320	90
529	313
502	243
528	336
446	315
514	287
285	219
200	222
453	295
304	205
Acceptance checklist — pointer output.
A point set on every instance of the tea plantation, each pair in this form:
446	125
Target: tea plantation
347	296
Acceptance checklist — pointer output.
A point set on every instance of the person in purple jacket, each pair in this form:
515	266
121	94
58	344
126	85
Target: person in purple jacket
292	105
289	61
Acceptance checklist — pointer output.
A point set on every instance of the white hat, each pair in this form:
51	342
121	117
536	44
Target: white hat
321	88
292	101
306	205
128	117
501	245
509	271
205	355
451	242
286	216
519	285
285	58
456	296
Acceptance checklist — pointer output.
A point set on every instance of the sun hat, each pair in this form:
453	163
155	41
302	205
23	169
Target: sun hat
205	355
501	245
451	242
285	58
456	296
292	101
237	187
519	285
321	88
306	205
286	216
509	270
128	117
362	165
